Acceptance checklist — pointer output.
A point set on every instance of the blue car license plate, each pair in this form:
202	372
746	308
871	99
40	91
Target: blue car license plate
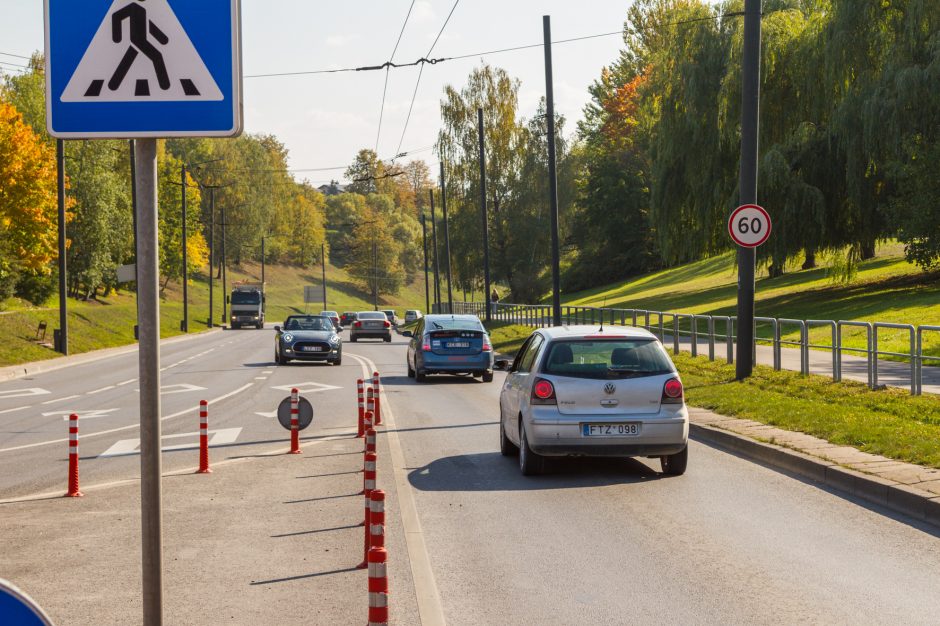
610	430
458	344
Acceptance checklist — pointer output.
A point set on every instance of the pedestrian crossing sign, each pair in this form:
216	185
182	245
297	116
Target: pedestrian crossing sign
143	68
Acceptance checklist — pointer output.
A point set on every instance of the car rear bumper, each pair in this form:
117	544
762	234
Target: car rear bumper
658	436
436	364
371	334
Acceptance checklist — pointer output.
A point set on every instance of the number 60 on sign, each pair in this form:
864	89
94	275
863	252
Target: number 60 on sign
749	225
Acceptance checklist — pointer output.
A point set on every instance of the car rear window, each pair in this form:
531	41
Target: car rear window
607	358
453	324
372	315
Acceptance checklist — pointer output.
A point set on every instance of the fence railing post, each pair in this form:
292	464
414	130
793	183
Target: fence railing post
675	333
711	338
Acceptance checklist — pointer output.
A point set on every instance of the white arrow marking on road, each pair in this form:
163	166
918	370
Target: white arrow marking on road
268	414
22	393
218	437
167	390
82	415
308	387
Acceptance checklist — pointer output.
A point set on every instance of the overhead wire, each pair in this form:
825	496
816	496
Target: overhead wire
391	60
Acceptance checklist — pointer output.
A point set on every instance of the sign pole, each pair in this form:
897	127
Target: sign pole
323	266
63	346
211	255
552	174
437	265
150	462
185	327
450	293
486	221
750	111
424	240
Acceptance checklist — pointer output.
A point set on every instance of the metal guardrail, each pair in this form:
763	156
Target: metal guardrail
677	326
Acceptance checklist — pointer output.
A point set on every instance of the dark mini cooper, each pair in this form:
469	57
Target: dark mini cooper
308	338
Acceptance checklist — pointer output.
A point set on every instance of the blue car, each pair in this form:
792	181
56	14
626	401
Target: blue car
449	344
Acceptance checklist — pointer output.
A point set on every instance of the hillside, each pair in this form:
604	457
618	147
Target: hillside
109	322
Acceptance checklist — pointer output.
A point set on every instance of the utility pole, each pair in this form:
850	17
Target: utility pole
437	266
224	292
424	240
450	293
486	220
750	112
185	325
375	272
323	264
211	254
63	346
262	264
552	173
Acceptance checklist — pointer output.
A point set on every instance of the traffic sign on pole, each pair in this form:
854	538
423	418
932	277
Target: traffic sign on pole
749	225
132	69
18	608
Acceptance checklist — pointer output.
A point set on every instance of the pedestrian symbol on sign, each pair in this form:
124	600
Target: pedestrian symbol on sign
171	69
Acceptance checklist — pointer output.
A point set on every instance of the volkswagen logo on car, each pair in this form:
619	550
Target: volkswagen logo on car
610	388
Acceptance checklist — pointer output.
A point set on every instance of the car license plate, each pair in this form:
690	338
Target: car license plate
459	344
610	430
312	348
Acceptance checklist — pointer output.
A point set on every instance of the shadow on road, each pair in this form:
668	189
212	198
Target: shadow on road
444	379
491	471
303	576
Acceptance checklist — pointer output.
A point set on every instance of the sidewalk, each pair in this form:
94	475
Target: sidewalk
267	538
909	489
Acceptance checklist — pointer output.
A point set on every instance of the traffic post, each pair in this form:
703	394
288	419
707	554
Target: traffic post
149	81
369	485
203	438
294	422
370	407
376	519
378	587
362	407
377	399
370	442
73	490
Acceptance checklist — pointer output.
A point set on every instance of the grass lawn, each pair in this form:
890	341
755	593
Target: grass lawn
886	289
890	422
109	322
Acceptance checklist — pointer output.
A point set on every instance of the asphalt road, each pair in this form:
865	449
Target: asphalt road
592	542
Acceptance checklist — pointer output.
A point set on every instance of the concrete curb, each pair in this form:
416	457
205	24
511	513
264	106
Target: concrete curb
920	505
23	370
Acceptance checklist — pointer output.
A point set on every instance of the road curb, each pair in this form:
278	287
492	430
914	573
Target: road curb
23	370
920	505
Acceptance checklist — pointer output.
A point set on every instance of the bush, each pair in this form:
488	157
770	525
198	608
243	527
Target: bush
36	288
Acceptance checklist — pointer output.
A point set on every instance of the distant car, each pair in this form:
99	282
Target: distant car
371	324
334	316
307	338
347	318
580	391
412	315
391	316
449	344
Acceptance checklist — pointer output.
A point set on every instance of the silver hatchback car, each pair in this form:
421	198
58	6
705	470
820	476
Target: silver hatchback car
589	391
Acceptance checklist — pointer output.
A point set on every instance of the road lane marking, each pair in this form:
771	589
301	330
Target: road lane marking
168	390
308	387
268	414
127	382
82	415
430	609
61	399
269	372
188	411
23	393
19	408
91	393
127	447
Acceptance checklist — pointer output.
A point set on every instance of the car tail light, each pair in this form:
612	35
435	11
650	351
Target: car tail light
672	392
357	324
388	324
426	346
543	392
487	347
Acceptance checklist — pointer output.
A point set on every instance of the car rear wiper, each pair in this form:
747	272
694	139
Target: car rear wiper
630	373
437	326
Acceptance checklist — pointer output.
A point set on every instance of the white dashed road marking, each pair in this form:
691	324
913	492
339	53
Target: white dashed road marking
91	393
19	408
127	382
61	399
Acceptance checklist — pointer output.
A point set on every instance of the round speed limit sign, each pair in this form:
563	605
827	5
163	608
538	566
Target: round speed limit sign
749	225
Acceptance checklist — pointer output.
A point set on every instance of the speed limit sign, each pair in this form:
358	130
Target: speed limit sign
749	225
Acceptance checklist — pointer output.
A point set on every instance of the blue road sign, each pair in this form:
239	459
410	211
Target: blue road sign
18	609
143	68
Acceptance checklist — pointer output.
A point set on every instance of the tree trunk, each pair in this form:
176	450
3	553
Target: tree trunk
868	250
775	270
810	262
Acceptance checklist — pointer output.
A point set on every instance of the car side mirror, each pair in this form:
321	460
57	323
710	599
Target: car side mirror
407	333
277	329
502	365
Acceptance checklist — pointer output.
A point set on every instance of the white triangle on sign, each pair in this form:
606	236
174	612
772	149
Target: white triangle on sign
153	61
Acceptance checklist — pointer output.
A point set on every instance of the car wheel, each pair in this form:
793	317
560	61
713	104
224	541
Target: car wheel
530	463
388	339
675	464
260	325
338	361
411	372
506	447
236	326
420	376
487	377
352	338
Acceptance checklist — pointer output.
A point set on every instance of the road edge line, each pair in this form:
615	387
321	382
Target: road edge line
430	608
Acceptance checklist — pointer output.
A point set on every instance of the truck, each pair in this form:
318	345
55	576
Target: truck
247	301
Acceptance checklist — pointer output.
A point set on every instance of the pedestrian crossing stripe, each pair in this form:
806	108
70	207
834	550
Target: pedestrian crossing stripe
141	53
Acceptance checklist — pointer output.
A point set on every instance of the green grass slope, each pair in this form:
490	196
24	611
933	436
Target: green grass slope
109	322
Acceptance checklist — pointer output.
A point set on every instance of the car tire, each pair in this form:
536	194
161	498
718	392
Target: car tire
420	376
388	339
530	463
411	372
487	377
338	361
259	325
352	339
675	464
506	447
236	326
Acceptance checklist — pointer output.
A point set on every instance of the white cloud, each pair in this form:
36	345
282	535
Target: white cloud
423	12
337	41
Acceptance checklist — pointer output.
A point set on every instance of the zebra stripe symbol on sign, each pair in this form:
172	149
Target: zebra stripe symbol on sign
141	53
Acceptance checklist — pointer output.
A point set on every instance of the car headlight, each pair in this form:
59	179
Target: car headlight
334	338
288	338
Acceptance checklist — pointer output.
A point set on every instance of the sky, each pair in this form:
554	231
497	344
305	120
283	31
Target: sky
325	119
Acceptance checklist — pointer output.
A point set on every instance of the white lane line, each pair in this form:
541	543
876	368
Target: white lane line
19	408
261	377
126	382
188	411
91	393
61	399
430	609
268	372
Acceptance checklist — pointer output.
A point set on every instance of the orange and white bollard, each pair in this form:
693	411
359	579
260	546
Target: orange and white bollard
203	438
74	491
377	519
368	473
294	422
378	587
370	441
362	407
370	406
369	485
377	395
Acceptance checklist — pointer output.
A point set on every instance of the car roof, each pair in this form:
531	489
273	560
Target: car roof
305	316
595	331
